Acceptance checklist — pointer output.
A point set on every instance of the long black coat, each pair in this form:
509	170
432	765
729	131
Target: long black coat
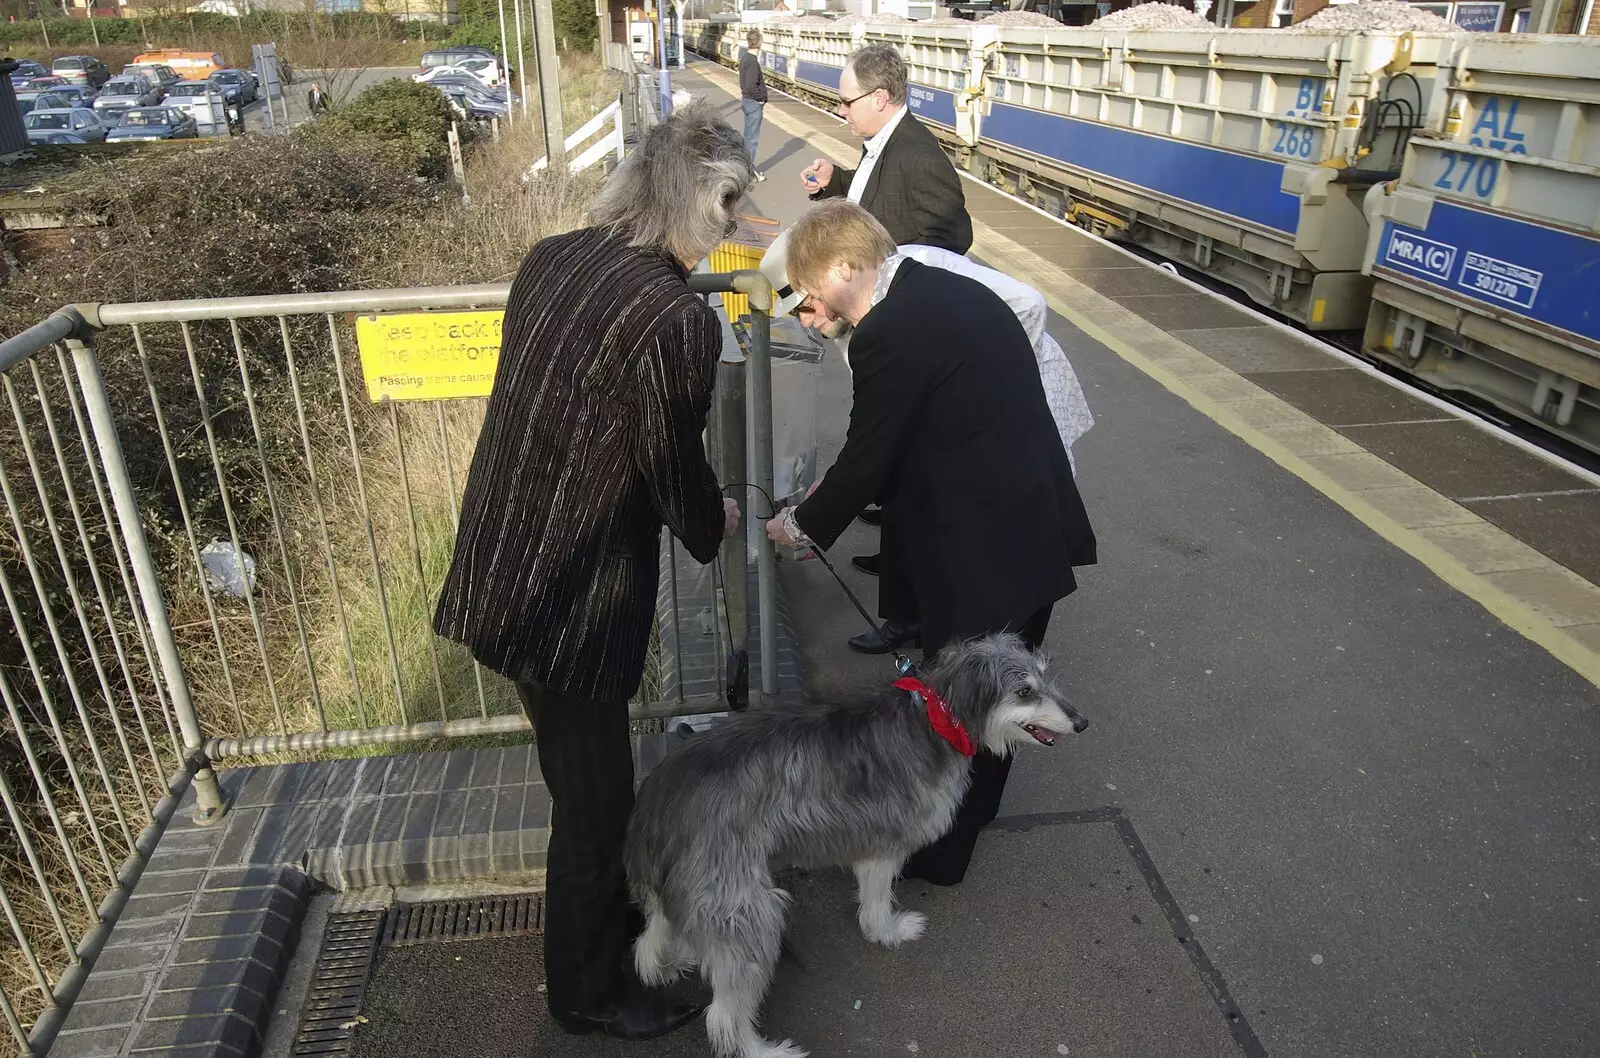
591	443
950	430
913	190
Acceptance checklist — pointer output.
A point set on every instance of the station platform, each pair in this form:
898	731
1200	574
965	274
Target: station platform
1341	655
1340	796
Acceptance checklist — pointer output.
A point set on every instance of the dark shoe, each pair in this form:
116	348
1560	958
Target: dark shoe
944	876
893	637
642	1016
871	516
867	564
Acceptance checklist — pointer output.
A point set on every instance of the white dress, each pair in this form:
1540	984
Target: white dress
1062	390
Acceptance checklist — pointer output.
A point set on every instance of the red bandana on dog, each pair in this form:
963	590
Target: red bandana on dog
939	715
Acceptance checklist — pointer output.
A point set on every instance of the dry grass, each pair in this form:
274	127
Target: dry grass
317	648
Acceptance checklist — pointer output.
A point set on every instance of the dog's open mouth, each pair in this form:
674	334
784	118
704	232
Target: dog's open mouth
1041	734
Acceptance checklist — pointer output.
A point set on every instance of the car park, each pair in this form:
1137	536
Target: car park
161	74
201	100
121	94
474	105
189	65
483	70
459	55
28	102
81	70
154	123
80	122
238	86
77	95
26	71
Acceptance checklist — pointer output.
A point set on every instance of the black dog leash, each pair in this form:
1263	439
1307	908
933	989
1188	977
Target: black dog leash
923	697
903	665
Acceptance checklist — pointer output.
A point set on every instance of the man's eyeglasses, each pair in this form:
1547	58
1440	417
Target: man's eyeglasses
846	104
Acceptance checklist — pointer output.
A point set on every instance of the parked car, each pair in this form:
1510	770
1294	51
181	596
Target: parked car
79	95
83	123
121	94
485	71
155	123
28	102
42	84
81	69
457	56
57	137
475	106
190	65
468	83
26	71
195	98
163	75
238	86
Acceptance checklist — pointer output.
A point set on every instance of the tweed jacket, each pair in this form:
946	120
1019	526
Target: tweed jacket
591	443
913	190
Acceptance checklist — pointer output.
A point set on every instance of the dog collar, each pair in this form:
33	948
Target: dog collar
939	715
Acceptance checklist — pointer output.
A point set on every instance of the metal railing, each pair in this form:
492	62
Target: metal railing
217	547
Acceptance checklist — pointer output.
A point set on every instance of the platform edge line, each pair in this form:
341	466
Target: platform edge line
1517	615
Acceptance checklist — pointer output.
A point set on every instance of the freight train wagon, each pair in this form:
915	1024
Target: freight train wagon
1264	158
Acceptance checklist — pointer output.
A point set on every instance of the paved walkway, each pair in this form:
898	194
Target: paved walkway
1339	797
1376	802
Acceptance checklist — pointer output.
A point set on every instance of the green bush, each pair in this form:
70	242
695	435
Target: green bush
576	24
403	122
199	30
477	32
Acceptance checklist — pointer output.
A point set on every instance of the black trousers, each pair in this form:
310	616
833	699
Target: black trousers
587	760
945	861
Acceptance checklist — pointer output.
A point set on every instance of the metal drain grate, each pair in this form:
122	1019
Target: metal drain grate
494	916
338	983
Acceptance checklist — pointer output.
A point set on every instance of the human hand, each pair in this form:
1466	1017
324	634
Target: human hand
817	175
778	534
730	517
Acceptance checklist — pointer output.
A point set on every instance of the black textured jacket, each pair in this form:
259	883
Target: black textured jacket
913	190
950	430
592	442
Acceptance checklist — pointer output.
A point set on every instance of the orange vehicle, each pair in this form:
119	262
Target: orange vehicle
190	65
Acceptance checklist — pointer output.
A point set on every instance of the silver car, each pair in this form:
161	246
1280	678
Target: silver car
122	94
81	122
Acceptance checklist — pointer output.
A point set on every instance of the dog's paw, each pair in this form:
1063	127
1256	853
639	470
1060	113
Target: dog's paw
899	928
786	1049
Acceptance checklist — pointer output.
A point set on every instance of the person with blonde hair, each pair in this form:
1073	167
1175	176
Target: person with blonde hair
590	446
951	432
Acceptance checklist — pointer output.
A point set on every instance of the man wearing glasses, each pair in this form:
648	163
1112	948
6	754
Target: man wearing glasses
908	185
904	179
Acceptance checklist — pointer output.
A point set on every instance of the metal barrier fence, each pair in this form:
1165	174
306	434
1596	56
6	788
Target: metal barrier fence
215	547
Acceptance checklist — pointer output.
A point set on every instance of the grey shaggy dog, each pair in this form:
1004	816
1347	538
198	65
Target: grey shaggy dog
860	783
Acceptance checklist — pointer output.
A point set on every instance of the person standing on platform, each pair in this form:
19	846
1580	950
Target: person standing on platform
591	444
950	428
752	95
905	181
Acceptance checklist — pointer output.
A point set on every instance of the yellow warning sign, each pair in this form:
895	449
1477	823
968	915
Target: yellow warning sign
429	355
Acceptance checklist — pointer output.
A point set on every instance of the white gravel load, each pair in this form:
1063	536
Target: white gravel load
1376	16
1020	18
1152	16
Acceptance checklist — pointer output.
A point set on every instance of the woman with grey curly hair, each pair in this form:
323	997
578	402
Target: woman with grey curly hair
591	444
